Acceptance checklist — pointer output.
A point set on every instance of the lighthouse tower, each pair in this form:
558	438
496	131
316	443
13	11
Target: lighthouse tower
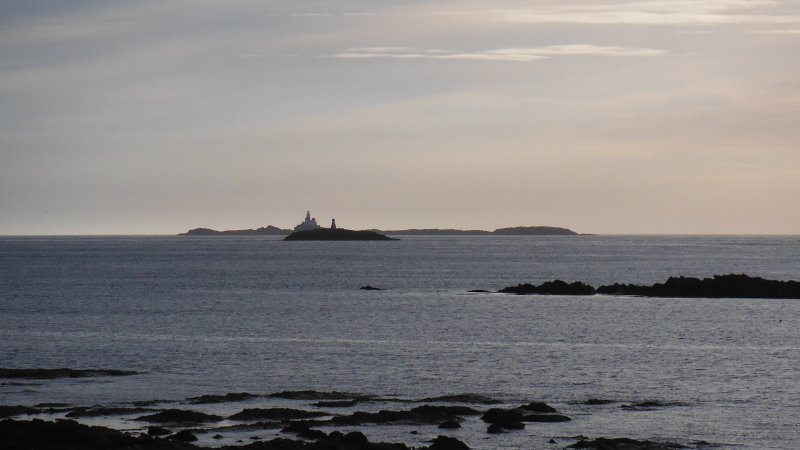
309	224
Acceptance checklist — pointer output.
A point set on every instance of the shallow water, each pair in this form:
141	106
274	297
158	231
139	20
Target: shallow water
228	314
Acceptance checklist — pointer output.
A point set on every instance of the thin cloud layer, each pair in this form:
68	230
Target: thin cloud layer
678	12
503	54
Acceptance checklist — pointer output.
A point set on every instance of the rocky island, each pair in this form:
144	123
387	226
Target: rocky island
720	286
337	234
310	223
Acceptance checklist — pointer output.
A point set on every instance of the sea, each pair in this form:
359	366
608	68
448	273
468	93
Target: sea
221	314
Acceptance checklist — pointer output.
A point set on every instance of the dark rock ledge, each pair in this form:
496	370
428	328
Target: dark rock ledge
720	286
70	435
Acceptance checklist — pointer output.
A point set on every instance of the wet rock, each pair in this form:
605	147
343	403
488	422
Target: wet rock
276	414
495	429
624	444
179	416
450	424
556	287
158	431
447	443
498	415
48	374
255	438
479	291
551	441
539	407
18	410
315	395
230	397
101	411
340	403
312	434
370	288
63	434
545	418
355	438
217	436
425	414
296	427
183	436
464	398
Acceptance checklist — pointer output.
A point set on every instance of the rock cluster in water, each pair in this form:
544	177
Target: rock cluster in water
65	434
720	286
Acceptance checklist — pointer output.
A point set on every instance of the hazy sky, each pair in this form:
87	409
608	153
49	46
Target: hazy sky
654	116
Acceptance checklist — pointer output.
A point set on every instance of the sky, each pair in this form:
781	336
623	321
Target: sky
602	116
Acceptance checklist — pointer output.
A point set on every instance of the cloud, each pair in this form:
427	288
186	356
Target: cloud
664	12
503	54
777	32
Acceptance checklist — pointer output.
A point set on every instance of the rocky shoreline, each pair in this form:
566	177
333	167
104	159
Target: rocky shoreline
297	429
720	286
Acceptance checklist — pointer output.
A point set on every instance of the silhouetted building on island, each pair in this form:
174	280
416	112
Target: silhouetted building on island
308	224
333	224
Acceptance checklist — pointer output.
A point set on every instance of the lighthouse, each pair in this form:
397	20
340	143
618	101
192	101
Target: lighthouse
333	224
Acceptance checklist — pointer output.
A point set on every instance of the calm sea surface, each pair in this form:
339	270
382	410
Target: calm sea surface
228	314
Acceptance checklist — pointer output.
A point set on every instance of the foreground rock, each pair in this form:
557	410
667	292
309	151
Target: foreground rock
70	435
421	415
721	286
624	444
276	414
231	397
179	416
18	410
556	287
504	417
337	234
49	374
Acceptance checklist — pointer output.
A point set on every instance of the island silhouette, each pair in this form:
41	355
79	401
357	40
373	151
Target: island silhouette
310	224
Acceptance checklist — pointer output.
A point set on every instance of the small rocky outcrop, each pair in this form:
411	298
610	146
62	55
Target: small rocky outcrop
450	424
538	407
18	410
179	416
183	436
230	397
370	288
421	415
505	416
338	403
155	430
276	414
649	404
556	287
447	443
